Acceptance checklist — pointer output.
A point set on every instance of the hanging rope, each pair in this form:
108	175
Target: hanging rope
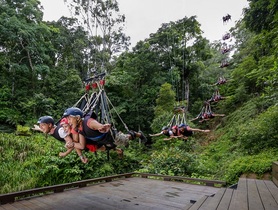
117	114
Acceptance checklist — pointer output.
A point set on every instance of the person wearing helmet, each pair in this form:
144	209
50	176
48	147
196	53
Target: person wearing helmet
47	126
164	131
74	116
70	144
187	131
175	134
97	136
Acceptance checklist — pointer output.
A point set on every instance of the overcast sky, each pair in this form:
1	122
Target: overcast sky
144	17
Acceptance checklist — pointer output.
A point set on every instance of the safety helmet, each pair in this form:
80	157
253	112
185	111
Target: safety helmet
164	128
46	119
73	111
64	121
182	125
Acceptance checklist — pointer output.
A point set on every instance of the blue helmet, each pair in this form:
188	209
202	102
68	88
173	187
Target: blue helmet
46	119
73	111
182	125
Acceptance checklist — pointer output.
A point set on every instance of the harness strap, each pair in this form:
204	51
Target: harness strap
96	138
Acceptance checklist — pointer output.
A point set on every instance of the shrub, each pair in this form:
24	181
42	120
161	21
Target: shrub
257	164
260	133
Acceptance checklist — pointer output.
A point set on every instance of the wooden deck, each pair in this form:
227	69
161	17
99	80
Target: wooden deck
150	192
126	193
251	194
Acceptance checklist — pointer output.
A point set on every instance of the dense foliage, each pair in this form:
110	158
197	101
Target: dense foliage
43	64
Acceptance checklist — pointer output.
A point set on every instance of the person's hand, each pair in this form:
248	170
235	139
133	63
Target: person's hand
69	145
36	128
206	131
62	154
84	159
105	128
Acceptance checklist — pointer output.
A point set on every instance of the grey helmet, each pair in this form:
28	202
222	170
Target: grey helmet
73	111
46	119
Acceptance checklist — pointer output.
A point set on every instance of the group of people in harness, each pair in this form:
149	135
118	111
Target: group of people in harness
181	131
81	131
226	18
206	113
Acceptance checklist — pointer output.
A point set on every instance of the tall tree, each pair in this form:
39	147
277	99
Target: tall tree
104	24
24	45
182	49
134	84
261	15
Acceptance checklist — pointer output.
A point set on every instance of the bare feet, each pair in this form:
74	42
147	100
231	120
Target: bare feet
120	152
84	160
62	154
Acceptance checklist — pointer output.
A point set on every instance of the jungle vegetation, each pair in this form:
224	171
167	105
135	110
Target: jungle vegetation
43	66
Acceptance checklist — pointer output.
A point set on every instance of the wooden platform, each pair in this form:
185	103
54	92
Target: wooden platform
127	193
251	194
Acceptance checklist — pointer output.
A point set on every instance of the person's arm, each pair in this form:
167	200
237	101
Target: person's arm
37	128
196	118
95	125
171	137
182	137
156	134
63	154
200	130
219	115
68	145
79	141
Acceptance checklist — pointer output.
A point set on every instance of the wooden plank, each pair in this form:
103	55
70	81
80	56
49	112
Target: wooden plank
214	201
18	205
226	200
237	202
2	208
29	205
273	189
94	202
148	199
8	207
275	172
268	201
40	205
275	181
188	206
48	201
156	193
240	199
199	203
254	200
242	184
